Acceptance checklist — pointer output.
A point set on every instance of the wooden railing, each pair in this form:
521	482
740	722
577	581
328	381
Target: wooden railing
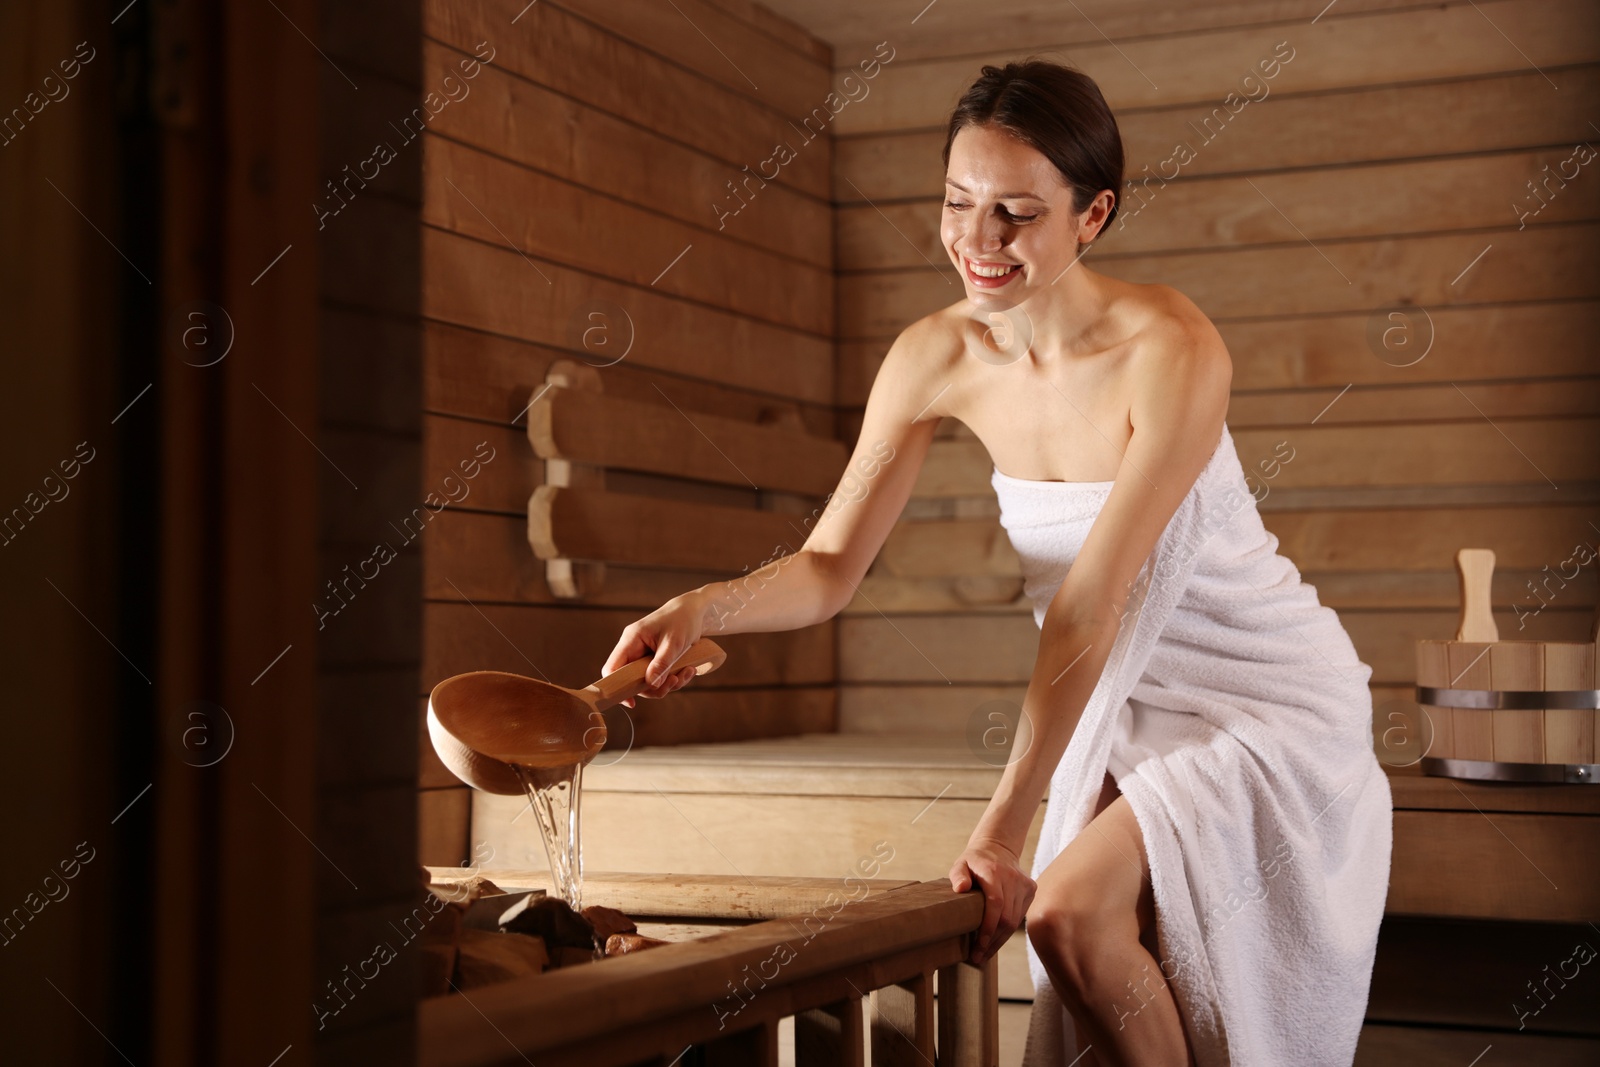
820	950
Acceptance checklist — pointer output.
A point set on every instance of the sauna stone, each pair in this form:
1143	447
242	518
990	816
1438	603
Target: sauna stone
622	944
485	958
608	921
489	912
552	920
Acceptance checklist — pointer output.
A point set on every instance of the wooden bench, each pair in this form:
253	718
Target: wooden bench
753	951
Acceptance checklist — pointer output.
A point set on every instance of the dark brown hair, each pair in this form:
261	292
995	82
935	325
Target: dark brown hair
1056	110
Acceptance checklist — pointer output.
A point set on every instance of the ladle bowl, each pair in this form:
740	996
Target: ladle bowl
484	724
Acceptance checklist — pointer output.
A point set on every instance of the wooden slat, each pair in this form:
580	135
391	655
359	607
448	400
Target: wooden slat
623	434
480	557
831	1036
721	45
1541	263
936	648
923	710
1334	54
1457	117
1384	1045
1531	867
480	376
1433	669
963	547
939	549
570	647
981	595
969	1023
1518	733
903	1023
1414	791
755	1047
455	470
1500	400
1337	589
1408	197
490	288
1423	539
443	817
479	195
1032	24
1470	666
614	527
945	648
556	49
570	140
1570	734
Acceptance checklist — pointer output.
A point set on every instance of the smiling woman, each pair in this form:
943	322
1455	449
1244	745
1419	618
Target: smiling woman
1056	115
1191	701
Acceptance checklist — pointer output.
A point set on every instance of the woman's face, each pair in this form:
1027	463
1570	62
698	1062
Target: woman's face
1008	224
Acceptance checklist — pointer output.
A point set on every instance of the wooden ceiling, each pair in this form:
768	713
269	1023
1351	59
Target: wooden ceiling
920	30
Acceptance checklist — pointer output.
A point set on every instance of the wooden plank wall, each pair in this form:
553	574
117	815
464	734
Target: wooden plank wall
580	175
369	430
1389	167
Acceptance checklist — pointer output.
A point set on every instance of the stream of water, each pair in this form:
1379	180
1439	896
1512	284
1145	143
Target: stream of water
553	794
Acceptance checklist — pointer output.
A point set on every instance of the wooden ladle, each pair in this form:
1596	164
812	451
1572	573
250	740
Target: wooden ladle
485	723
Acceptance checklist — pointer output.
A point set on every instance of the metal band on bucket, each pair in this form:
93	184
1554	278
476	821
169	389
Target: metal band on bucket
1510	699
1492	771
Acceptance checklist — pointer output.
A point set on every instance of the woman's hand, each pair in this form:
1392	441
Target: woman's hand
667	631
1007	892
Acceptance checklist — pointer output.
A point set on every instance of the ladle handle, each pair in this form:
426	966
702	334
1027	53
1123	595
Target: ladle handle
705	655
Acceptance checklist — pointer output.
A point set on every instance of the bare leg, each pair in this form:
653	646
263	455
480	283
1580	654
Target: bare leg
1093	925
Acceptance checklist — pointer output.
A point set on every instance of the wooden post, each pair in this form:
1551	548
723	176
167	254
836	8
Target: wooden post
755	1047
902	1023
969	1015
831	1036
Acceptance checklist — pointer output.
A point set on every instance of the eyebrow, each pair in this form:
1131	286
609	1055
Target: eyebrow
1002	196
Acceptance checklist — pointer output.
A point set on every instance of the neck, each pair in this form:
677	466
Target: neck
1066	313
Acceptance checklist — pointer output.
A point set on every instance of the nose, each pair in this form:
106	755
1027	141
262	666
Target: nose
985	234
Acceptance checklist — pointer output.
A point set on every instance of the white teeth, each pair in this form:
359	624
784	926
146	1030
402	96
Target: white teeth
986	271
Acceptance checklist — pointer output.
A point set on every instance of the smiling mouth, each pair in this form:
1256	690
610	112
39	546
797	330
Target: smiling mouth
990	275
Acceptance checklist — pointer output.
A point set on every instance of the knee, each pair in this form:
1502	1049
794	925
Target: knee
1071	934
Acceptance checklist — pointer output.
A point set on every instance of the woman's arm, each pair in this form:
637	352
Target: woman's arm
812	584
845	534
1180	400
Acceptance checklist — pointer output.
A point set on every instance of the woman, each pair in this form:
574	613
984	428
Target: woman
1214	858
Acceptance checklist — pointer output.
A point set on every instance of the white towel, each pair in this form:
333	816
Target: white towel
1234	715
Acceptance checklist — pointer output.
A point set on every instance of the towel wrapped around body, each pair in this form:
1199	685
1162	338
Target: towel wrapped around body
1234	714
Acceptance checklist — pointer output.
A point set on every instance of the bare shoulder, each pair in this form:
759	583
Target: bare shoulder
920	362
1178	348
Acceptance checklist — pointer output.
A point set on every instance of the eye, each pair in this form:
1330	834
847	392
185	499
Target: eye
1017	218
954	204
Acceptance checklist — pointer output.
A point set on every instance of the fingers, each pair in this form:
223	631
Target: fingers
631	645
1007	895
659	674
960	877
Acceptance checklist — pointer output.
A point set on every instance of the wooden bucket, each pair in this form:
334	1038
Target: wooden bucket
1508	711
